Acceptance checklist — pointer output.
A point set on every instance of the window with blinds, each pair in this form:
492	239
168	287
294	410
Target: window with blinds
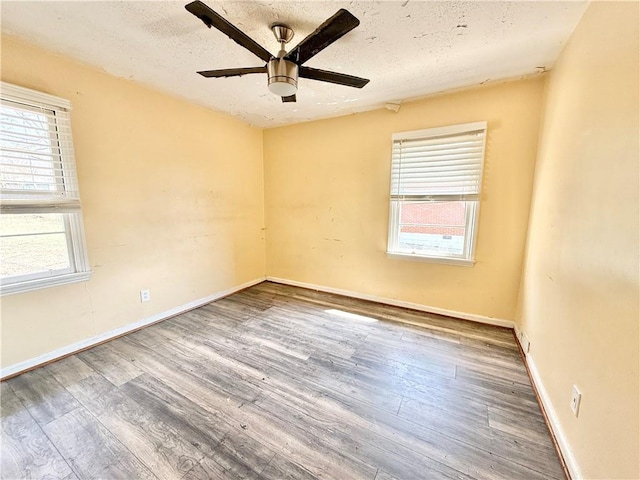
436	177
41	235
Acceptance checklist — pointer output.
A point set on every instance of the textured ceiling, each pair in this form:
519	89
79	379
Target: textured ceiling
407	48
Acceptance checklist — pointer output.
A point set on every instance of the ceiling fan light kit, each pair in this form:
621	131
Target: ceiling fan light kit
284	69
282	75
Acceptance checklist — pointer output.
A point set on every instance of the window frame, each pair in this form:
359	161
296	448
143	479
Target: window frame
66	204
472	207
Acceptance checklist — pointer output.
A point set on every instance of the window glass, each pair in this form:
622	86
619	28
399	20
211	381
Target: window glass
33	244
432	227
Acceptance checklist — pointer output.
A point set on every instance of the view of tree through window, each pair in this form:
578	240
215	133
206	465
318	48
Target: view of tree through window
29	142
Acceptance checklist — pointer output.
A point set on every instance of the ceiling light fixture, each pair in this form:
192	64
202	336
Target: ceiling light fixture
283	77
282	74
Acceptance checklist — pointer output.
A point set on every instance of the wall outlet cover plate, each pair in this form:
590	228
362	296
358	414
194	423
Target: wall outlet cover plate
576	396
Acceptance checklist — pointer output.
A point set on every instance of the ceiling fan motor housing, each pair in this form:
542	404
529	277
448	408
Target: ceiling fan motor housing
282	77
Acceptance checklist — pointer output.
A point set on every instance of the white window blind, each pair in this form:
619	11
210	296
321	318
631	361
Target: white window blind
436	178
446	166
37	166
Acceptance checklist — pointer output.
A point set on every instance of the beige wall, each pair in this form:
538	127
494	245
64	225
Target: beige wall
327	201
579	300
172	199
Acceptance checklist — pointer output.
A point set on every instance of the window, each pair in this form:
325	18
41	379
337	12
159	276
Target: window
436	176
41	234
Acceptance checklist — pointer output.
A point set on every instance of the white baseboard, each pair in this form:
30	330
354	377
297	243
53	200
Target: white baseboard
553	422
397	303
89	342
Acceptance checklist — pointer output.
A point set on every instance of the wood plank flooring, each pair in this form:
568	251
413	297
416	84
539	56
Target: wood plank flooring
278	382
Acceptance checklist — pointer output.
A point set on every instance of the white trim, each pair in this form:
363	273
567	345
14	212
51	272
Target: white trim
440	131
45	282
89	342
31	97
554	422
78	243
423	258
397	303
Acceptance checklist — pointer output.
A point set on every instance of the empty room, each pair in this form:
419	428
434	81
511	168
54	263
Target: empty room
320	240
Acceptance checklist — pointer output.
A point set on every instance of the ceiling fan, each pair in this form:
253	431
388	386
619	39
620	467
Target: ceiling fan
284	69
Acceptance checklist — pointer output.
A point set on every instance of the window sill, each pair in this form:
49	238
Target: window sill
421	258
29	285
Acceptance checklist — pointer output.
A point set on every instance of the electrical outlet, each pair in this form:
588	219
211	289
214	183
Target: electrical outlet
575	400
145	295
524	341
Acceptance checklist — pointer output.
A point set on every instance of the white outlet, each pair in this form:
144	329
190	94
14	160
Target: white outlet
523	339
145	295
575	400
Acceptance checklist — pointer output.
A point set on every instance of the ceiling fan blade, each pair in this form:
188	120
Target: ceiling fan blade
232	72
291	98
332	77
323	36
213	19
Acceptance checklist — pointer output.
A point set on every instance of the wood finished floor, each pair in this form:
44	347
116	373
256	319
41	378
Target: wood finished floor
278	382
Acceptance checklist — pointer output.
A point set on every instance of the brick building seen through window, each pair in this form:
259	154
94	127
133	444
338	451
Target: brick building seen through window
433	226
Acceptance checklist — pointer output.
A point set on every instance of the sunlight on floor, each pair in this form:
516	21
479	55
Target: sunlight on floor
350	316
